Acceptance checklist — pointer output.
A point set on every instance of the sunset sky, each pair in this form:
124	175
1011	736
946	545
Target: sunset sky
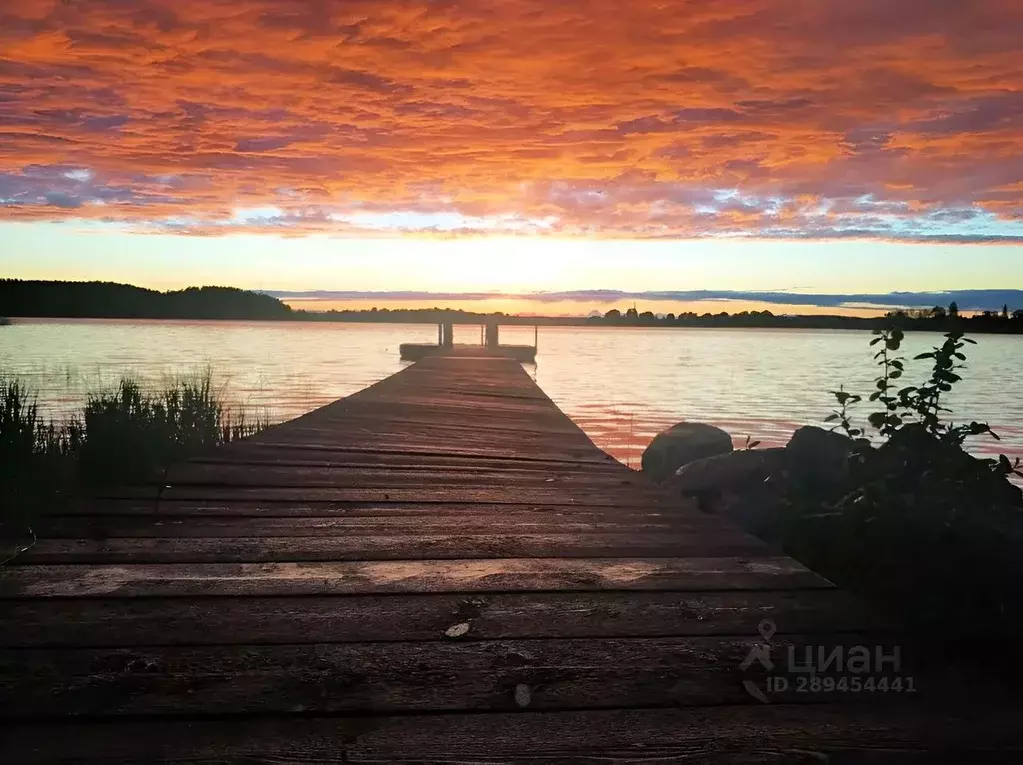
514	145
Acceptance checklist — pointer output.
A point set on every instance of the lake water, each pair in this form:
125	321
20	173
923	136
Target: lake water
622	386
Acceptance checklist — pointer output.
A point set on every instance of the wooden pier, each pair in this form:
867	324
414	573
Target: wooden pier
441	568
490	344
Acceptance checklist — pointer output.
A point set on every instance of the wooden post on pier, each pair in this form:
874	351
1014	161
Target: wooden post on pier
493	339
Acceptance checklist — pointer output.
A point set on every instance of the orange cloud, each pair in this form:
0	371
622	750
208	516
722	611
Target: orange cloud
806	118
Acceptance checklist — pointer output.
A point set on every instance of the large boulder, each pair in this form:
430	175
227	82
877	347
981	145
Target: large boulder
682	444
744	486
819	457
734	471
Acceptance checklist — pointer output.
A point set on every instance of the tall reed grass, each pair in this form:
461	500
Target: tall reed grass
121	436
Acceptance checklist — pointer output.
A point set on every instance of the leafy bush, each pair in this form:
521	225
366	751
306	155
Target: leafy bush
917	521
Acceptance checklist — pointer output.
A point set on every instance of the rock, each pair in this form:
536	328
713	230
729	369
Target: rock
818	457
682	444
728	472
743	486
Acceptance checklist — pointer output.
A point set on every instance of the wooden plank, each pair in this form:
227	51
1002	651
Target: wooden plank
244	453
508	575
552	431
99	622
403	677
202	509
873	733
409	546
234	474
343	453
552	494
215	526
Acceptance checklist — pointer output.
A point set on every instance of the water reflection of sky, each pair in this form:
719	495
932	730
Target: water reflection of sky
622	386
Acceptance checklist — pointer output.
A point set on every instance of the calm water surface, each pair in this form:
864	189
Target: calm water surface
621	386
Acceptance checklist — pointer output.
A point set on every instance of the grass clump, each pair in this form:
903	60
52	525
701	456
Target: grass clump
36	458
130	431
121	436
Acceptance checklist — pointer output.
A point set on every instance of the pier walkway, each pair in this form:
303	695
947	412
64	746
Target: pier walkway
440	568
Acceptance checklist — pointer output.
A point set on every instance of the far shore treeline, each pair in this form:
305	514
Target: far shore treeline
108	300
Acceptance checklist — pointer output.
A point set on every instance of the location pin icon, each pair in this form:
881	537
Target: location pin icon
767	628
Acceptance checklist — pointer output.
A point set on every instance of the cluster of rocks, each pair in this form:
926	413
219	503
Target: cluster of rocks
699	461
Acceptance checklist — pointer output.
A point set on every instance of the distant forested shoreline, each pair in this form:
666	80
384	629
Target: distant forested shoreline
109	300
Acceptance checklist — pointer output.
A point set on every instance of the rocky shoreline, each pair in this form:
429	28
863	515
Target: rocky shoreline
699	461
916	524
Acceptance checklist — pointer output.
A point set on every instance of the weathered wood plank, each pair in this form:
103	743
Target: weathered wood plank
872	733
409	546
234	474
214	526
515	494
166	508
387	447
98	622
402	677
508	575
405	414
245	453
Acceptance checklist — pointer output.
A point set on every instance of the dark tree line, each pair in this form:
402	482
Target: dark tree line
122	301
109	300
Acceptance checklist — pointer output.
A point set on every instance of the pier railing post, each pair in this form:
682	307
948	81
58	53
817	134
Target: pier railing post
493	340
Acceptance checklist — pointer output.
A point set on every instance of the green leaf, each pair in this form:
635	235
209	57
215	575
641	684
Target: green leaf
923	356
831	418
876	340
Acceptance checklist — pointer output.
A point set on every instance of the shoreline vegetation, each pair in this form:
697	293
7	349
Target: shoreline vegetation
119	436
888	504
107	300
